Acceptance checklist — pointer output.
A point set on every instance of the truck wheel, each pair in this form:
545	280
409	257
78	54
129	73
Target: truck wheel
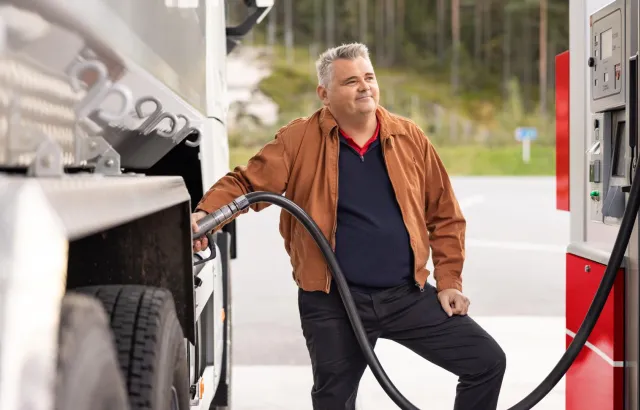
88	375
150	345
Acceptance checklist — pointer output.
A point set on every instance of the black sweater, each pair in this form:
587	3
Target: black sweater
372	242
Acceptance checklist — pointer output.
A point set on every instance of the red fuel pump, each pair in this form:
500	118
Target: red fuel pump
596	157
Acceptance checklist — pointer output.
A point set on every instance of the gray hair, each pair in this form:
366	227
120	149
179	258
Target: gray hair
349	51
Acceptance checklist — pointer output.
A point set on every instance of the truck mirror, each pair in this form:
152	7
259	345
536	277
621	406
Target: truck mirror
257	10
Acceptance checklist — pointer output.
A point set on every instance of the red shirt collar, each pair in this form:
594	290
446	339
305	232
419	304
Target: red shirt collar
362	150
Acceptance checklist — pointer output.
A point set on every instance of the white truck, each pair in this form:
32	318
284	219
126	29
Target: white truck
112	124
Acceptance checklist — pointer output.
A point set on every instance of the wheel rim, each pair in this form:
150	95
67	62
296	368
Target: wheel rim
174	399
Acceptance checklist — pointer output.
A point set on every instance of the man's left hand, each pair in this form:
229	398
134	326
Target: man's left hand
453	302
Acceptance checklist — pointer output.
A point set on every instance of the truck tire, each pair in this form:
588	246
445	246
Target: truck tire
88	376
150	345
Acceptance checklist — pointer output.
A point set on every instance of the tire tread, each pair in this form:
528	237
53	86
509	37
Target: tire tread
135	313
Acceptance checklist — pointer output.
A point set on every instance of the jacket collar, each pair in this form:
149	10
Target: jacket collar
389	125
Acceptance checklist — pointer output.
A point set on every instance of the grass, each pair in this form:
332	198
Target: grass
507	160
467	160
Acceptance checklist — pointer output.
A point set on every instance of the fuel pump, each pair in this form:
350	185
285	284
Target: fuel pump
610	154
597	129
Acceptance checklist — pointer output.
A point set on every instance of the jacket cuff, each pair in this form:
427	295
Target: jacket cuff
448	282
202	209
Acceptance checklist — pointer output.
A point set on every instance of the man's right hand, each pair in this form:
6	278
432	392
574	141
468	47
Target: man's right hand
201	243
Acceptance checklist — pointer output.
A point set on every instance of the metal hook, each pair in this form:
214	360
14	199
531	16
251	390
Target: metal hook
174	125
197	141
185	131
176	137
151	117
80	67
125	108
98	92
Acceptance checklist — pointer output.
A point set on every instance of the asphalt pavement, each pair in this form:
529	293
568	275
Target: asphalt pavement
514	276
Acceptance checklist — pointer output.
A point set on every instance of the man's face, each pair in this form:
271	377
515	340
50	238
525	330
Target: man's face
353	89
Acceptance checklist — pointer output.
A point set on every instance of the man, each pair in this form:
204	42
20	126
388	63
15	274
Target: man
376	187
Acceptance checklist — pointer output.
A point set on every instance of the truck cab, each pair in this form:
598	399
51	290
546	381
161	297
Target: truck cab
112	125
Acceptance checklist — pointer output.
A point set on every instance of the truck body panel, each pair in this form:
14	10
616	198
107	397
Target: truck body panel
113	119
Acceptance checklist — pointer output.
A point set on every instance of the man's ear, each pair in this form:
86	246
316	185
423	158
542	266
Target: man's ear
322	94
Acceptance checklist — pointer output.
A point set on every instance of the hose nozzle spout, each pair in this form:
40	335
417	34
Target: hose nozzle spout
220	216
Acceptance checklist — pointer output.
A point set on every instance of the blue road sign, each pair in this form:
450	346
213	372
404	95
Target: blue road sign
526	133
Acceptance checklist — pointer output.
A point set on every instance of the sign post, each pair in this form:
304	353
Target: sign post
526	135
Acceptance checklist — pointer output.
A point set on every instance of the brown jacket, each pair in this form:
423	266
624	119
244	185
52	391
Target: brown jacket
302	162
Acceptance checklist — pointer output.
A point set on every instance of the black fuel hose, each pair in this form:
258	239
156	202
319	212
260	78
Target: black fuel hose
220	216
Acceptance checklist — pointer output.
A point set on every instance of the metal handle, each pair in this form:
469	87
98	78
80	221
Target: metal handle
212	248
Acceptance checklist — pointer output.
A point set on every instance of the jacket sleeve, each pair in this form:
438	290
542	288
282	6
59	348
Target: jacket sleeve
445	223
268	170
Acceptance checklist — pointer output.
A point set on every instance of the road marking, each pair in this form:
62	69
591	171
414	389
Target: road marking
516	246
599	352
471	201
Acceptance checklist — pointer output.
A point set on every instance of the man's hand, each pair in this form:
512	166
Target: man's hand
453	302
202	243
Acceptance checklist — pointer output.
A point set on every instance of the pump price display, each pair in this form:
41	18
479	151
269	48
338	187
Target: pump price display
526	133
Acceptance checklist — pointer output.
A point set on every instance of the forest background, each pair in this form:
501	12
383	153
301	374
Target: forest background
469	72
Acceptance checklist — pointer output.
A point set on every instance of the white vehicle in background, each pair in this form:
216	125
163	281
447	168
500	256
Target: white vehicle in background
112	123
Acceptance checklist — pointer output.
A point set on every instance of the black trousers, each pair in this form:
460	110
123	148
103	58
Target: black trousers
407	316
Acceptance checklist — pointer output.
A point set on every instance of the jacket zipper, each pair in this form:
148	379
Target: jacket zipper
335	214
384	155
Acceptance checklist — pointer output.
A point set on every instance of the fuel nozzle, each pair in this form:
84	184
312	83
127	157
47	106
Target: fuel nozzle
220	216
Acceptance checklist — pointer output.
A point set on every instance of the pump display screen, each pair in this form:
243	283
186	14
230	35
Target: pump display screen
606	44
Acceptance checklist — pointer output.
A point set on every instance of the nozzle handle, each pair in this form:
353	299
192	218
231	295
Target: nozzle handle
220	216
205	225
